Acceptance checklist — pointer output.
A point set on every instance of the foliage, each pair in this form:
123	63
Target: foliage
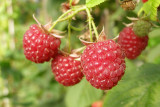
150	8
82	95
92	3
139	89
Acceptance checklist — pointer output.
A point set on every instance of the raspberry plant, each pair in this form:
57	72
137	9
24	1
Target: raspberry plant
109	64
101	60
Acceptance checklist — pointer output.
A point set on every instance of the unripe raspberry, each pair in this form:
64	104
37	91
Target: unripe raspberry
103	64
141	28
132	44
67	71
38	45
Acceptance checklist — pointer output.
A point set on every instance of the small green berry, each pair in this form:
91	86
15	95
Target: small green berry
141	28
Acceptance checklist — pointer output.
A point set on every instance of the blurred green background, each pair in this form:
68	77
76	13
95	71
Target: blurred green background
26	84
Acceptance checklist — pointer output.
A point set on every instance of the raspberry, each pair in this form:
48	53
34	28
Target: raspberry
103	64
38	45
97	104
132	45
67	71
144	1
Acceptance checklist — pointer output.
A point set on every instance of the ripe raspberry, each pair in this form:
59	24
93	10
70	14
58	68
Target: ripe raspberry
144	1
103	64
67	71
97	104
39	46
132	45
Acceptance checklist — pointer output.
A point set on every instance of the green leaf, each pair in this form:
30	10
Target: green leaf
153	54
139	88
82	95
150	8
92	3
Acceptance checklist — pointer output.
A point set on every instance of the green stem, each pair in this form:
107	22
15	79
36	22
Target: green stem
70	2
54	23
95	29
77	29
69	35
73	14
90	23
62	18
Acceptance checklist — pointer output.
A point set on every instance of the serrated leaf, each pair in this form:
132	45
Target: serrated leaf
82	95
139	88
92	3
150	8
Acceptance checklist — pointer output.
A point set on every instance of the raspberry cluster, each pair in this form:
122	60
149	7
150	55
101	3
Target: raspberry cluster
102	63
39	46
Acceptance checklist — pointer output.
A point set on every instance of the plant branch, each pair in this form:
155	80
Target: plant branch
63	18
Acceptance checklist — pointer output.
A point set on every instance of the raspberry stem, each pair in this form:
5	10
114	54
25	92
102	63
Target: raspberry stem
63	18
69	35
74	11
58	20
90	23
95	29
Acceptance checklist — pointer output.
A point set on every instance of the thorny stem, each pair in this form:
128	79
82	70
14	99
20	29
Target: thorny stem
90	23
69	35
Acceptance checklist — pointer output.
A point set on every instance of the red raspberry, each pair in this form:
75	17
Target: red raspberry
67	71
103	64
97	104
132	44
39	46
144	1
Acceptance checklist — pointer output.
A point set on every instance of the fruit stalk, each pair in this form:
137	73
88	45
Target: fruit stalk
95	29
69	35
90	23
